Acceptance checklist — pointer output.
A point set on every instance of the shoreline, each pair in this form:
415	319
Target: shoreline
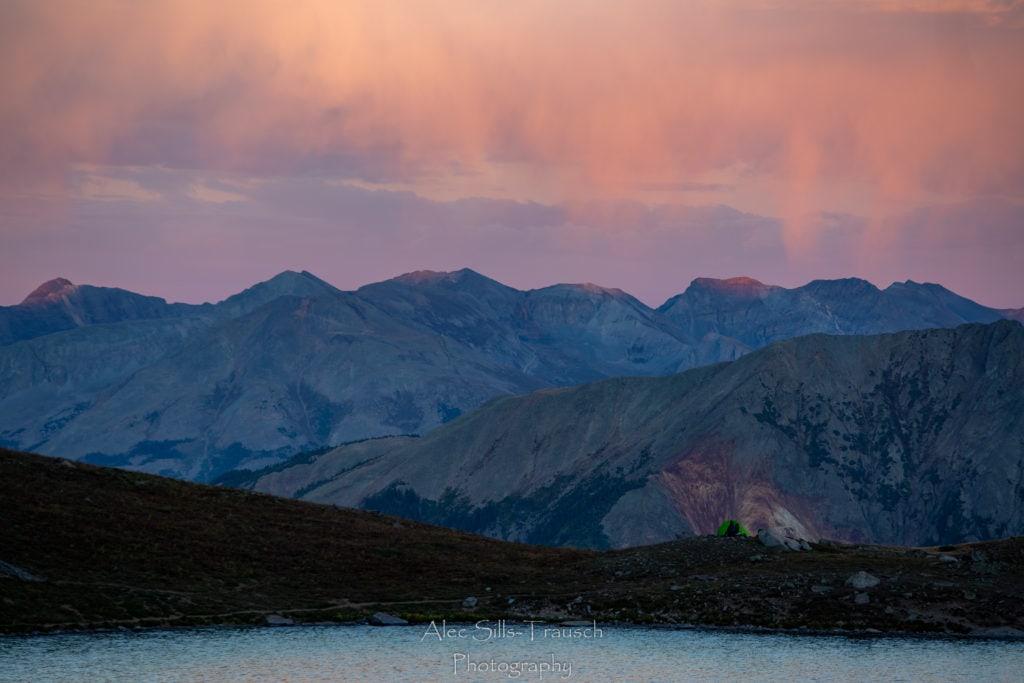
857	634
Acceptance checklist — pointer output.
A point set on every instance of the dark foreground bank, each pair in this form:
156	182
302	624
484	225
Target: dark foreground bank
84	547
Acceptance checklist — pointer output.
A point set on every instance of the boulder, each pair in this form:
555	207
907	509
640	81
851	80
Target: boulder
385	619
277	620
862	580
777	541
772	540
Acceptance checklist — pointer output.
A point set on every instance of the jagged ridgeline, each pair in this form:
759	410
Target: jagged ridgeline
294	364
914	438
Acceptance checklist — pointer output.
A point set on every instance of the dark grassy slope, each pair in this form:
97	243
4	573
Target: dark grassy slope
115	545
117	548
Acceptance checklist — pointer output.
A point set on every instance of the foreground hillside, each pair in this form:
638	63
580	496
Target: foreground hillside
915	438
87	547
291	364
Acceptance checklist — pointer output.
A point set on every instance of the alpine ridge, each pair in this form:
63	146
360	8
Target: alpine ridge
913	438
293	363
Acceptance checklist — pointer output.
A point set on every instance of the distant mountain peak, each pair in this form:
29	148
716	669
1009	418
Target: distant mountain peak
294	276
843	283
50	290
292	282
911	284
591	287
588	289
287	283
420	277
732	285
464	279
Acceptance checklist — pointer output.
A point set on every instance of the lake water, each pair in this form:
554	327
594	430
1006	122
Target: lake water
493	651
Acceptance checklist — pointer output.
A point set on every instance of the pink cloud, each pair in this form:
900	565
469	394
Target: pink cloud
614	94
783	109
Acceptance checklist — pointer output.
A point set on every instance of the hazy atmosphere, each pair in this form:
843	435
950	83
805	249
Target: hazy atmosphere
190	149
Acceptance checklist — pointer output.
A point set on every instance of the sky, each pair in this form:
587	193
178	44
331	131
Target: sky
190	149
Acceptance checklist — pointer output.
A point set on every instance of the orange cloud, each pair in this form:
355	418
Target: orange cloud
902	100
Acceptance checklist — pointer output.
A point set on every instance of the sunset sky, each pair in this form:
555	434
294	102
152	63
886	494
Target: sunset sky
191	149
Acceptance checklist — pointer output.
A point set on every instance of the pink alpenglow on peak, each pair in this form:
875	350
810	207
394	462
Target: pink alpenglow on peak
51	290
733	285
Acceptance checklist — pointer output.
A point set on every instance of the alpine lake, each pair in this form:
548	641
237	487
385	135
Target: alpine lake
496	651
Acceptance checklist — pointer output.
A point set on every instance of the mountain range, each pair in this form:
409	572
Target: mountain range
292	364
913	438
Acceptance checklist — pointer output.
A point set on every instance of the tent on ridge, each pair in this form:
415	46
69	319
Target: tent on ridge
731	527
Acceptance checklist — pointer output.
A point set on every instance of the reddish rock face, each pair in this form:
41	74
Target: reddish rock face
48	291
710	484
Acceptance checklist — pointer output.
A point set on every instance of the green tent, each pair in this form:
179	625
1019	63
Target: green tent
731	527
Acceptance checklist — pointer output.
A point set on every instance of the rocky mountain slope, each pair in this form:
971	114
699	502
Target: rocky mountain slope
294	363
756	314
913	438
58	305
